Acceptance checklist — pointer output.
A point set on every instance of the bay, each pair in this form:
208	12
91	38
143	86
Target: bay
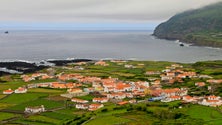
139	45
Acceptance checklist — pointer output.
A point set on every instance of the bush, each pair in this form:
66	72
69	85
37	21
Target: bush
104	110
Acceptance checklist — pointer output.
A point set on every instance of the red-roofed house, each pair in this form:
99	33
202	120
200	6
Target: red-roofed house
82	106
102	63
116	96
100	100
200	84
79	100
8	92
218	81
21	90
188	98
211	101
94	107
58	85
75	90
123	103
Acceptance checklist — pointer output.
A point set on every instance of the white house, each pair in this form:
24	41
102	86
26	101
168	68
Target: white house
94	107
211	101
21	90
7	92
82	106
79	100
100	100
116	96
36	109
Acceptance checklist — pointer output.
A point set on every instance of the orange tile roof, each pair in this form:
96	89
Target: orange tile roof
9	90
123	103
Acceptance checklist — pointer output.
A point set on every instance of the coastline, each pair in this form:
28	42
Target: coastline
23	67
188	42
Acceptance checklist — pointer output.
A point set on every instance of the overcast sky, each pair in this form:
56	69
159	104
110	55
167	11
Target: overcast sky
63	13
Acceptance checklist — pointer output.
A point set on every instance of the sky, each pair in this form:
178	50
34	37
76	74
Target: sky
91	14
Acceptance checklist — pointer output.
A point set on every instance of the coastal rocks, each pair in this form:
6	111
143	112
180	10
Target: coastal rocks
65	62
29	67
21	67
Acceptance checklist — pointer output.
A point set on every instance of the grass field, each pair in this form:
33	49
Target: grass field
107	120
37	120
2	96
45	90
22	98
43	119
208	114
57	115
48	104
4	116
12	84
5	105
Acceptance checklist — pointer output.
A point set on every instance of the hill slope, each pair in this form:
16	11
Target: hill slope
201	27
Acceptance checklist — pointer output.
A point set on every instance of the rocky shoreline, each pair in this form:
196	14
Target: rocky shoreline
200	43
64	62
30	67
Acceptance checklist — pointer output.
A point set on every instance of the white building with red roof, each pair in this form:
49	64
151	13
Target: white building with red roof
212	100
94	107
82	106
8	92
100	100
21	90
79	100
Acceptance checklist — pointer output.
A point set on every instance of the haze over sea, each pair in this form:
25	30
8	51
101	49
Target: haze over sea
139	45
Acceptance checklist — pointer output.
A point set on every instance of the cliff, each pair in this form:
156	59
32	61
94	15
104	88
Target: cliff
202	27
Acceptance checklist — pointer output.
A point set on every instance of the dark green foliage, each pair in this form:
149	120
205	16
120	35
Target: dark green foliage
104	110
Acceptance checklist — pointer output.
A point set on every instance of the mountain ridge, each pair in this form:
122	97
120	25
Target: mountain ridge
202	27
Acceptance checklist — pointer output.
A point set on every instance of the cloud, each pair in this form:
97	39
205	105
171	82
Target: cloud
95	10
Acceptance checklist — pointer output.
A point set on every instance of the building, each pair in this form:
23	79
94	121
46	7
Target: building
21	90
94	107
100	100
75	90
8	92
36	109
82	106
79	100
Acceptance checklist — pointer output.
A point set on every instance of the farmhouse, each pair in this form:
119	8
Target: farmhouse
7	92
100	100
199	84
101	63
21	90
75	90
82	106
36	109
94	107
79	100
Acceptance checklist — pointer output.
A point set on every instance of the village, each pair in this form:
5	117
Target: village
122	92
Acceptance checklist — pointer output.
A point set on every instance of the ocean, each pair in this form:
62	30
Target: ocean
136	45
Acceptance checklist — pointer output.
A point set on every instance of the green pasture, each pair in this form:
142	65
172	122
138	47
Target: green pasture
48	104
22	98
4	116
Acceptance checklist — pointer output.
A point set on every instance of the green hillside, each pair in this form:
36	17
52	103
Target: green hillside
201	27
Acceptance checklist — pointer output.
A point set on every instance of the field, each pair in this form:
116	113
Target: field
208	114
49	104
107	120
6	116
22	98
